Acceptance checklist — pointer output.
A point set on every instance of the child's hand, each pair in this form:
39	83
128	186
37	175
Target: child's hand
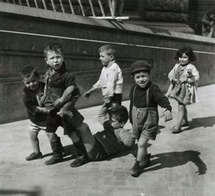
63	113
190	81
175	81
43	109
87	94
167	115
106	100
183	79
58	103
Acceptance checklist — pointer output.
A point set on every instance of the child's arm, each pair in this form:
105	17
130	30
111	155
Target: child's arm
42	109
32	107
163	102
65	97
193	75
172	76
44	96
95	87
103	114
131	105
124	136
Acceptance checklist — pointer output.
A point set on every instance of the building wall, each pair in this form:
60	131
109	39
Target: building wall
24	33
203	6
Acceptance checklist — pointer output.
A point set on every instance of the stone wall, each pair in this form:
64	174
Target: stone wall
24	33
164	10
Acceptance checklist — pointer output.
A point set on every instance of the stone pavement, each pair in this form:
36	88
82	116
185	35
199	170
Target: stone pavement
181	165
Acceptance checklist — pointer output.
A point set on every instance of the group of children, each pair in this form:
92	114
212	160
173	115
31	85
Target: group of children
52	104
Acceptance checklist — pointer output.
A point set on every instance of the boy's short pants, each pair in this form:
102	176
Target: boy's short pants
36	128
145	123
117	98
69	124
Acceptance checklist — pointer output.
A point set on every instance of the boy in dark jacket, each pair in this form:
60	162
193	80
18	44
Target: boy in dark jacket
60	95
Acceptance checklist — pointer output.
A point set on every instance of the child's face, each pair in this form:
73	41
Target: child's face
31	83
141	79
54	60
105	58
115	123
184	59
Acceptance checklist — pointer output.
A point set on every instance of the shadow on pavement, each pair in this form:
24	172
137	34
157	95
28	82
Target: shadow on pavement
174	159
132	151
69	150
203	122
35	192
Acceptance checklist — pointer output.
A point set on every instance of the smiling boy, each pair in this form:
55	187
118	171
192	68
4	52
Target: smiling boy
32	93
144	100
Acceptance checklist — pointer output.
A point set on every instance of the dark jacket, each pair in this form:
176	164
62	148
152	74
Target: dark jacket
31	103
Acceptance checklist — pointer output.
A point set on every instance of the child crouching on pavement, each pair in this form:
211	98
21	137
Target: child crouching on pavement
113	139
144	100
32	93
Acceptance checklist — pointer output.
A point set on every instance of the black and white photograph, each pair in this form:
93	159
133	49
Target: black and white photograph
107	97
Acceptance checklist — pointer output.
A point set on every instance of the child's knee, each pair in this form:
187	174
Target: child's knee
51	136
83	127
33	135
142	143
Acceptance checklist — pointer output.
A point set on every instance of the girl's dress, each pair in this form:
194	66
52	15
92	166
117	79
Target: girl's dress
184	92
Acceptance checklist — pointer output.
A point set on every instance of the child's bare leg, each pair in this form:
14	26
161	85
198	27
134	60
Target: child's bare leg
52	136
185	120
34	141
142	149
141	160
35	145
86	136
181	114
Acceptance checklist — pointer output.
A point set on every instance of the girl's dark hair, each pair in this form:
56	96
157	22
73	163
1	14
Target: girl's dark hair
53	46
188	51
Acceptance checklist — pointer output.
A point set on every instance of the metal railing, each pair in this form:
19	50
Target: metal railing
100	9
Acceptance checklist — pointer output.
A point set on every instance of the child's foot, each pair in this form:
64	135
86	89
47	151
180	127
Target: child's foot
185	123
53	160
34	156
136	170
176	130
81	160
146	162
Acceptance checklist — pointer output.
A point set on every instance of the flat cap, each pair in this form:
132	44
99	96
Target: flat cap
140	65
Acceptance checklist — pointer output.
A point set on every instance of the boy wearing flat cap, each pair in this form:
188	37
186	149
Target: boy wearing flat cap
144	100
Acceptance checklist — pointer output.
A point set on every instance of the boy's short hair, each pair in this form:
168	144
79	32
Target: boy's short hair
29	71
53	46
110	49
120	112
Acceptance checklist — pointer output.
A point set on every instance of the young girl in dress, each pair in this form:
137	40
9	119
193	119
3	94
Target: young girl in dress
183	88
